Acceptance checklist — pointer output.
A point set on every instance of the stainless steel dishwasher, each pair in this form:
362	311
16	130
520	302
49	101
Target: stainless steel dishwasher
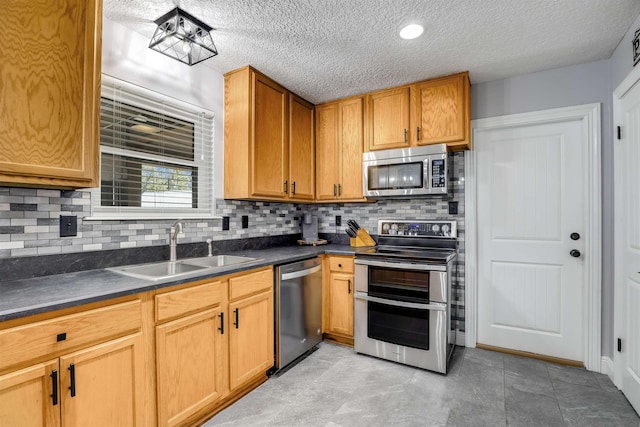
298	309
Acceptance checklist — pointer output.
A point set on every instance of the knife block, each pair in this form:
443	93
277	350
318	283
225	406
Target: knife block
362	239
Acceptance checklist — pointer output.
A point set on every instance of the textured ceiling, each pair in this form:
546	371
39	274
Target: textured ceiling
328	49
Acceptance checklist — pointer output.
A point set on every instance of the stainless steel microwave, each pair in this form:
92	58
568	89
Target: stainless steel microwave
406	172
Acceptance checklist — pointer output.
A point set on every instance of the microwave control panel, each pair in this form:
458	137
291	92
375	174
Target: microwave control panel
438	173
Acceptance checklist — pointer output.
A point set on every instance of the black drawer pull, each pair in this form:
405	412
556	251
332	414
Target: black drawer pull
54	385
349	285
72	379
61	337
221	328
237	322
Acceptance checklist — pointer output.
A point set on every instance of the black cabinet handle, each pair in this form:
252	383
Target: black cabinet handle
237	322
72	379
293	188
418	133
286	186
339	189
349	285
405	136
54	385
221	328
335	190
339	265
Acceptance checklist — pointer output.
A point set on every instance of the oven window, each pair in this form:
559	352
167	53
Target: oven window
399	284
398	176
398	325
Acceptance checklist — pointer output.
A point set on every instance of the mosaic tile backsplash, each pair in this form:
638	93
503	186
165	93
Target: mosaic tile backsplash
30	222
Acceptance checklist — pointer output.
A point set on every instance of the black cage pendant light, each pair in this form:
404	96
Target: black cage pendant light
183	37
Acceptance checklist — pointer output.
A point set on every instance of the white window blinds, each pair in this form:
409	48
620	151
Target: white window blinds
156	155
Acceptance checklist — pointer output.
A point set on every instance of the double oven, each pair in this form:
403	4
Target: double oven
402	294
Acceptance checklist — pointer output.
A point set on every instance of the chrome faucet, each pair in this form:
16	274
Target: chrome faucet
175	229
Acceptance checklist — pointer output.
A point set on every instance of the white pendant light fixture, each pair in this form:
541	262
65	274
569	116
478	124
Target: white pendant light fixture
411	31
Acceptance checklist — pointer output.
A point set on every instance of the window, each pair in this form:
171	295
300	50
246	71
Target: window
156	156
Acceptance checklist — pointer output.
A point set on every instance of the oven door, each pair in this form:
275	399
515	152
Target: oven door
409	333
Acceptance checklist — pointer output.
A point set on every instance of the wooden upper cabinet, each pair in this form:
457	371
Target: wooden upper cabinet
49	108
268	140
339	140
327	151
440	110
301	149
388	119
435	111
269	135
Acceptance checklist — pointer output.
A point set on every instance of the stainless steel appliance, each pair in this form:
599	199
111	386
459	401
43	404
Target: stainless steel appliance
309	228
402	308
405	172
298	309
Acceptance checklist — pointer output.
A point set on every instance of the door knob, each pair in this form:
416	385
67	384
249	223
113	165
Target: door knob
575	236
574	253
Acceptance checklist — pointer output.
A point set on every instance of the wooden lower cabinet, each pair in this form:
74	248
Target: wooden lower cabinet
189	357
100	386
97	386
213	341
250	338
26	396
338	298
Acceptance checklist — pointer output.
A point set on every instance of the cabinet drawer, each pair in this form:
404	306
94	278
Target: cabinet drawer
250	284
343	264
38	339
187	300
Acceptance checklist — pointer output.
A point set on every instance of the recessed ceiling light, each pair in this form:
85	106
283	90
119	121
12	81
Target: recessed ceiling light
411	31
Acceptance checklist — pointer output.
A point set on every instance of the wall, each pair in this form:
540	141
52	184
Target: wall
563	87
622	58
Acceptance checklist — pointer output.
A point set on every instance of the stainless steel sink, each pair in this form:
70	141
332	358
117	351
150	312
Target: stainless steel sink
160	270
184	268
218	260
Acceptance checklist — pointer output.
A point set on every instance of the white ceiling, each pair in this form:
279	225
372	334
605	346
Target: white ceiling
328	49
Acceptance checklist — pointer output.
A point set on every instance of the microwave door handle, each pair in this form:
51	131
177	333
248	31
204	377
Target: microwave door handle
431	306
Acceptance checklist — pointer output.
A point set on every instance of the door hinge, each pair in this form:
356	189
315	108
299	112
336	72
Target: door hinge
619	344
619	132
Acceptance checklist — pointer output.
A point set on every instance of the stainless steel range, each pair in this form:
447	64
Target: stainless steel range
402	295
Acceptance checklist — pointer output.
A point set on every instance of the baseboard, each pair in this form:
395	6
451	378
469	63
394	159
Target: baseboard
606	367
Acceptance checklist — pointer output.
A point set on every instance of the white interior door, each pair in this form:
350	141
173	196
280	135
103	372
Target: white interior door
531	193
627	282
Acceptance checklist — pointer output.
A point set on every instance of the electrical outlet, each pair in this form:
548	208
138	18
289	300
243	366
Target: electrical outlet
245	221
225	223
68	226
453	208
338	220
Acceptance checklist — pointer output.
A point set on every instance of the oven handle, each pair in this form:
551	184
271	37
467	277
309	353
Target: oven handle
433	306
403	265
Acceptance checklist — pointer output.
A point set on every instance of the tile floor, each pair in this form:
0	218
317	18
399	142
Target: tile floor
336	387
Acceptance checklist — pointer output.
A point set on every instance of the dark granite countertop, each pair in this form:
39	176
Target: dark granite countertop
25	297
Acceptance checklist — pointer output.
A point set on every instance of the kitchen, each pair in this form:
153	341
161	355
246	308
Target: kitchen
569	85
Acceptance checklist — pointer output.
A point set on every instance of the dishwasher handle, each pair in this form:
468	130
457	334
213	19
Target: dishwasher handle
300	273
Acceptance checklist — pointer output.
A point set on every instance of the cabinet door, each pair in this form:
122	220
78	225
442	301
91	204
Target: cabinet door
388	119
250	338
189	360
351	137
441	110
301	149
269	154
327	151
341	304
27	396
49	109
103	385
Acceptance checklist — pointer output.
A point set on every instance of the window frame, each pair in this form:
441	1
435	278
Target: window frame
203	160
